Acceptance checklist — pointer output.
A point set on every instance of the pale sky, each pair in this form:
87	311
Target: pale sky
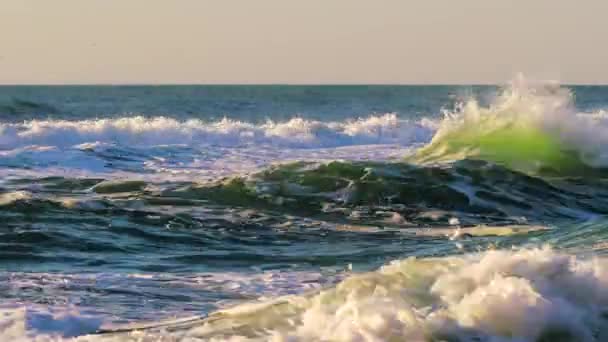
305	41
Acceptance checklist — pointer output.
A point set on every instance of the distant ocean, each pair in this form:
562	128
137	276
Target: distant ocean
304	213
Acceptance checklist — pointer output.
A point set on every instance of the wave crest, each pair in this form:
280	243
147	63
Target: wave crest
139	130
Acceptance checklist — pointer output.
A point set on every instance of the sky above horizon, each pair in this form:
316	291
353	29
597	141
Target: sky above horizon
310	42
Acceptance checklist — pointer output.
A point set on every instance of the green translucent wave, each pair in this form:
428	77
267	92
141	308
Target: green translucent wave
527	149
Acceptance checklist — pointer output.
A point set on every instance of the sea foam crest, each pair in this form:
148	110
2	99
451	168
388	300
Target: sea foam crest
139	130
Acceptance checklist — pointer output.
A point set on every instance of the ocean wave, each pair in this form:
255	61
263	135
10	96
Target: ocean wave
497	295
520	295
473	191
529	127
21	108
142	131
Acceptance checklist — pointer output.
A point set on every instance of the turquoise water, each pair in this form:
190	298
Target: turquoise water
304	212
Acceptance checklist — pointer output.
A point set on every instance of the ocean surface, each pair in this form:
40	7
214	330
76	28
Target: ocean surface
304	213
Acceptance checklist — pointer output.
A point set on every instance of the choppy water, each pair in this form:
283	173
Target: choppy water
304	213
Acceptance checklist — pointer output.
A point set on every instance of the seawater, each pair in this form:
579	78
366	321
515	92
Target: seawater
304	213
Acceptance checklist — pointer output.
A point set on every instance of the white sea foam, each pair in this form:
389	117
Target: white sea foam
13	196
162	148
138	130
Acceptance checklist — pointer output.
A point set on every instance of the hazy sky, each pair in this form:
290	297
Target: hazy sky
305	41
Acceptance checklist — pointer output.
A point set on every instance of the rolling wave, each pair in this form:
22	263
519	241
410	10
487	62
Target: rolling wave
20	108
399	194
311	213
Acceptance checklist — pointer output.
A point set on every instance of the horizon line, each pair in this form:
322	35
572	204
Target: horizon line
128	84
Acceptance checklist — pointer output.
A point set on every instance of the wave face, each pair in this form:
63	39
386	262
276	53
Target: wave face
486	224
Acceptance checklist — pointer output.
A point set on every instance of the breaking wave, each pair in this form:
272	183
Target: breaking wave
520	295
139	130
529	127
523	295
